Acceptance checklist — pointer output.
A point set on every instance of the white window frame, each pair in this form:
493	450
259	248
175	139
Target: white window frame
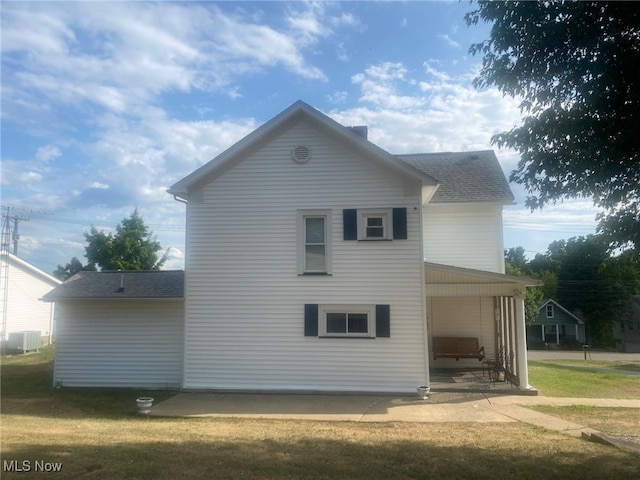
301	239
386	214
550	311
369	310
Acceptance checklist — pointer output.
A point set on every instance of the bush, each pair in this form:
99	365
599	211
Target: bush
536	344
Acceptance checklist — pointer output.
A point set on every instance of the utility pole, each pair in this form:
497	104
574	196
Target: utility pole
11	235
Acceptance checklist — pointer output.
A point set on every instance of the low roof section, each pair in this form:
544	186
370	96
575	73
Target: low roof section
464	176
447	280
129	284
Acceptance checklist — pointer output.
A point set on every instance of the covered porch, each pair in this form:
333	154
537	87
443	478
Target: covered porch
484	306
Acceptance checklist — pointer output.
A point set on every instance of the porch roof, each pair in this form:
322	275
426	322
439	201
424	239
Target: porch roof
444	280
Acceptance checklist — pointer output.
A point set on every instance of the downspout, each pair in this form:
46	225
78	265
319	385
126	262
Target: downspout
184	302
423	279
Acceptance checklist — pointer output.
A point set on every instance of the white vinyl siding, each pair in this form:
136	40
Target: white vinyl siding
245	313
24	310
464	235
130	343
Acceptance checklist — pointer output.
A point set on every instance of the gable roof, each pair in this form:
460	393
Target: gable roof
138	284
464	176
31	269
564	314
289	117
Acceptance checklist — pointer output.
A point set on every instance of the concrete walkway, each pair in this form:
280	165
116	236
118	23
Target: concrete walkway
439	407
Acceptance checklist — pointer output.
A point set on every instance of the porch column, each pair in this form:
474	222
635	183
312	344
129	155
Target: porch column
521	341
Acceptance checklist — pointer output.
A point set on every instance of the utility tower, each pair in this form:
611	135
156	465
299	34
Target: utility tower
9	236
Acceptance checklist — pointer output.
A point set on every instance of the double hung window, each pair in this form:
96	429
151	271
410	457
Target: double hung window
314	242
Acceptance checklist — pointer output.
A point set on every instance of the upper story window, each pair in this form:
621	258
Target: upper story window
550	311
314	242
375	224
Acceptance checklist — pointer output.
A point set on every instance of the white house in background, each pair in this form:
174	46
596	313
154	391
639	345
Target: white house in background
21	287
317	261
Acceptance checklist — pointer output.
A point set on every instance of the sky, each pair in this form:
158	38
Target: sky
105	105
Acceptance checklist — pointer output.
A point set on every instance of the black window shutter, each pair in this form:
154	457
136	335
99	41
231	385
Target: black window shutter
383	320
350	223
311	320
399	223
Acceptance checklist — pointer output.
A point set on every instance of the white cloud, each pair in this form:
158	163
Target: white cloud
47	153
448	40
381	84
427	111
121	56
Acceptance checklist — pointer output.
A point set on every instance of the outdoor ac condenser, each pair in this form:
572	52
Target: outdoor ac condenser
22	342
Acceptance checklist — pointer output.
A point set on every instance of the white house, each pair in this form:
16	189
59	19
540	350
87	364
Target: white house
21	287
317	261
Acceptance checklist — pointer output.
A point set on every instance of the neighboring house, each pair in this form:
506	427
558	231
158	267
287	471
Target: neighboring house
555	324
305	263
626	332
21	287
120	329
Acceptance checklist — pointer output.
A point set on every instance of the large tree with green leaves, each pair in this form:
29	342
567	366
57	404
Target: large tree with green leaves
590	282
574	65
132	247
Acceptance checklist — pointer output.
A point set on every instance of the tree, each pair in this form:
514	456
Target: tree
574	65
133	247
516	264
70	269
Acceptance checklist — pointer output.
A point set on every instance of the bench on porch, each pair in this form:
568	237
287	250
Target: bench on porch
457	347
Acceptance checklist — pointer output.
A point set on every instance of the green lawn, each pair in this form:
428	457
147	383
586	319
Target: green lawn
96	434
561	378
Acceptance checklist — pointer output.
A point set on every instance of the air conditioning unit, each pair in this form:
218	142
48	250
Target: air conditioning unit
22	342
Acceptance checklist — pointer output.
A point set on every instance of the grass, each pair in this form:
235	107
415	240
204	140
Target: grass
96	434
561	378
609	420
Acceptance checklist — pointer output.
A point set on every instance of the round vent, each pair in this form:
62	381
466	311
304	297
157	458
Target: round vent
301	153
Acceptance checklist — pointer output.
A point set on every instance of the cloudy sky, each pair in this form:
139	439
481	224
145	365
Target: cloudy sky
105	104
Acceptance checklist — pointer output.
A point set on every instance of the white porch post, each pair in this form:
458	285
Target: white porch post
521	341
543	337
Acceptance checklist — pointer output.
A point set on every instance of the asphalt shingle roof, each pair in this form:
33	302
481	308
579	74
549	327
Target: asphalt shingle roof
107	285
464	176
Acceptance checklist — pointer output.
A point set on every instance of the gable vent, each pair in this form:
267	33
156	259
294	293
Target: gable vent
301	153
